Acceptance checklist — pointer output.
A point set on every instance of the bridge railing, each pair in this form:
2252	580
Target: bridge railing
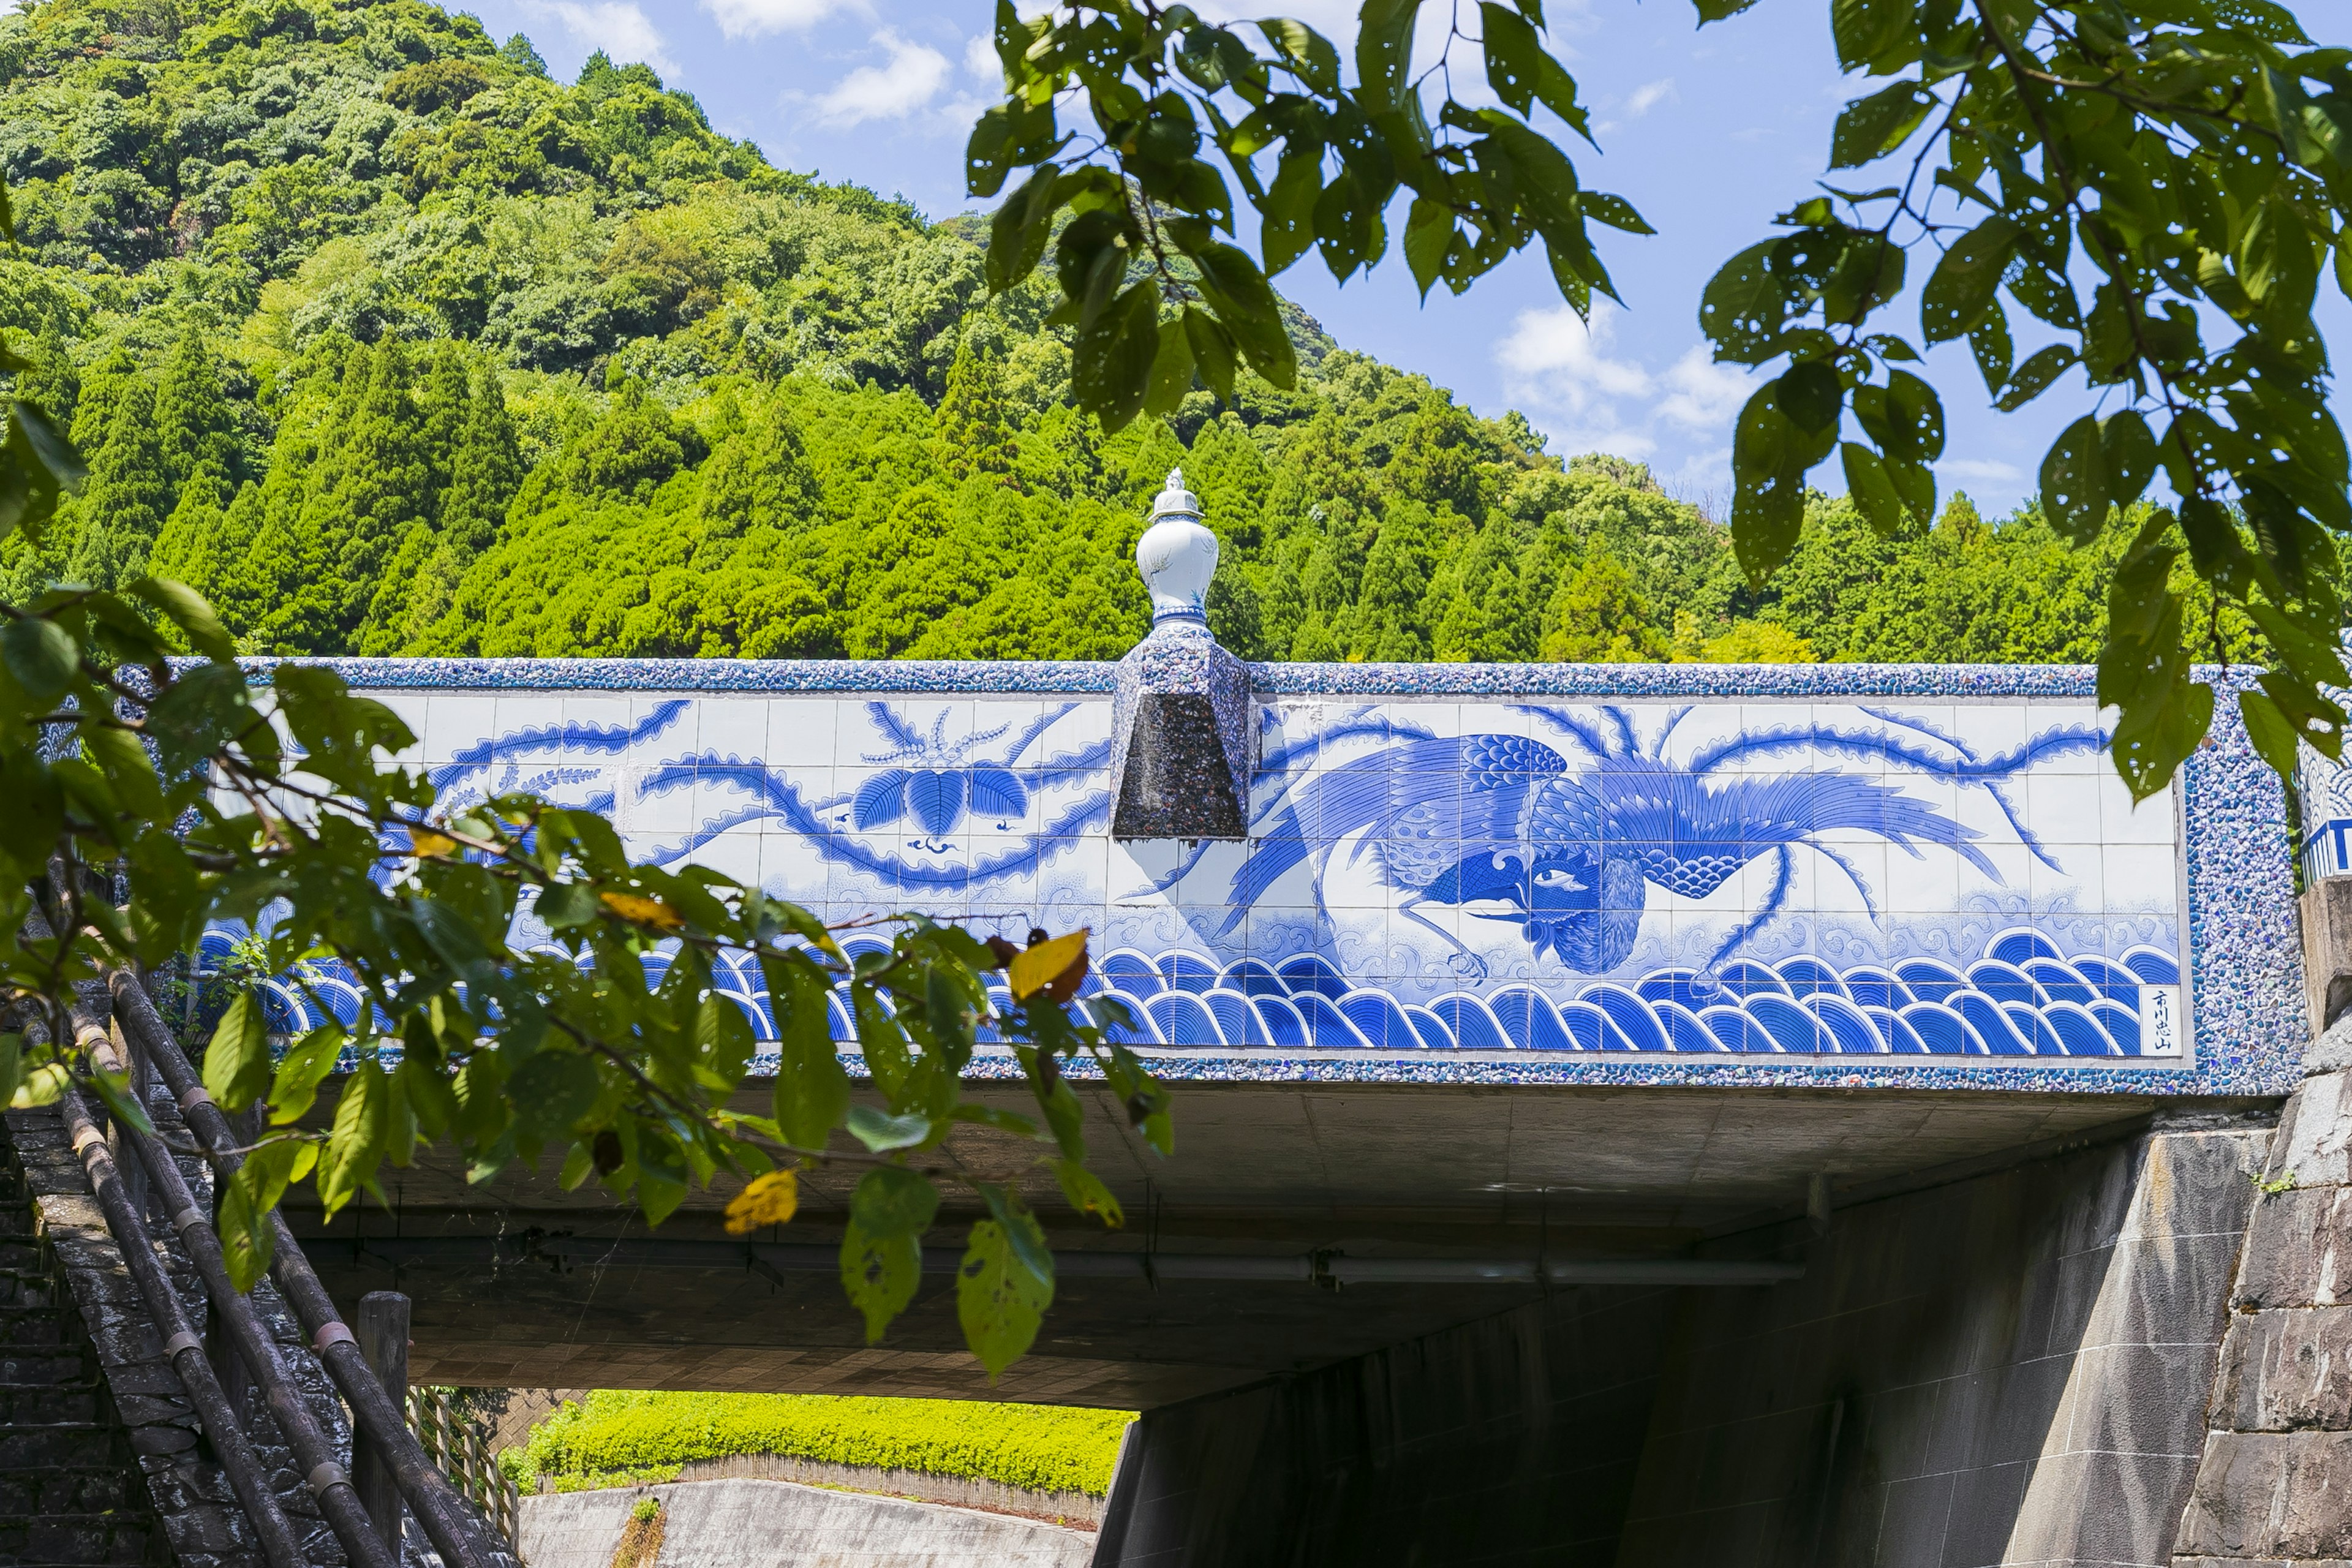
457	1446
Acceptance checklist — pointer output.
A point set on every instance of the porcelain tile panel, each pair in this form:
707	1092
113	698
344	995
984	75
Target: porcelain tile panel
1637	874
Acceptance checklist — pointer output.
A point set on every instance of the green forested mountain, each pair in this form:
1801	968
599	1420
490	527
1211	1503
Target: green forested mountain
390	343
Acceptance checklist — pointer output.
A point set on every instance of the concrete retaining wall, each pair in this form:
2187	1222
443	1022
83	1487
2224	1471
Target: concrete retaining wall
1520	1431
2010	1369
779	1524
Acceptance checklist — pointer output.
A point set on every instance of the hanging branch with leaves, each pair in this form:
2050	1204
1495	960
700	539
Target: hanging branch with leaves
2158	185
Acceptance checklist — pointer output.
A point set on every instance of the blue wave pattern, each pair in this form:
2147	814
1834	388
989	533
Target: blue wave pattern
2021	998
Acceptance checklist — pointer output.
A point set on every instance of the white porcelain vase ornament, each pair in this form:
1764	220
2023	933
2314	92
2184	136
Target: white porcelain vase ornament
1177	555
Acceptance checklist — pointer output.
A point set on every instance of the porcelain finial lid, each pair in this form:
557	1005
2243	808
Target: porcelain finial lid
1177	555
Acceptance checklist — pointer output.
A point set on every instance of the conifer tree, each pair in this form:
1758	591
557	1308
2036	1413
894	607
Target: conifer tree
192	418
1385	624
187	548
1596	616
445	406
129	490
757	471
971	433
50	380
485	470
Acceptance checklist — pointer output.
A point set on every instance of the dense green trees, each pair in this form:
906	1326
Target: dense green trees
501	366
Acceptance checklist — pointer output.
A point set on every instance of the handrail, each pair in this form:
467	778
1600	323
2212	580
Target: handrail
183	1350
457	1446
457	1532
314	1449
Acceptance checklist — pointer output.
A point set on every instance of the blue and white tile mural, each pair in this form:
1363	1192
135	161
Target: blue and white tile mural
1759	878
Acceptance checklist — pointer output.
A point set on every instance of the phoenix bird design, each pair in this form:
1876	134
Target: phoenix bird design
1503	828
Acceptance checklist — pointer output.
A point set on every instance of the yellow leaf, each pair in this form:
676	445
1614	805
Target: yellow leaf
772	1199
1034	968
424	842
644	910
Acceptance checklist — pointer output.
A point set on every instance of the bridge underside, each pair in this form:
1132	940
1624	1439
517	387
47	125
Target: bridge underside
519	1284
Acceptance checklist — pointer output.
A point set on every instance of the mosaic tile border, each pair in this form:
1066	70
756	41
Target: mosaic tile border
2245	977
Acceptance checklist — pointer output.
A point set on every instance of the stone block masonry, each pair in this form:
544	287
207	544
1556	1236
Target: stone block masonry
2275	1484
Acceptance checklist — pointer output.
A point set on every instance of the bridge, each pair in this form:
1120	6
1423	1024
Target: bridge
1633	1114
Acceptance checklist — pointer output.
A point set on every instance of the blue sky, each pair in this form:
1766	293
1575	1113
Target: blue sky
1709	132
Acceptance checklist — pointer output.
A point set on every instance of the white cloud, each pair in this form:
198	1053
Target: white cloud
1649	96
1564	369
756	19
619	27
1981	470
979	58
893	89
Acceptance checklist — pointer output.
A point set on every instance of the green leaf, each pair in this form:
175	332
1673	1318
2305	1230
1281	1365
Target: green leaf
1287	215
305	1066
1770	458
2032	378
2129	450
1871	490
247	1237
1812	395
1428	232
1514	55
1086	1192
1213	351
812	1089
1989	341
236	1061
881	1132
1745	308
1384	51
1018	233
1718	10
121	1105
552	1091
1238	292
1306	51
2268	729
355	1145
40	654
1615	211
1112	360
568	904
1865	29
2074	482
1870	128
1966	281
1001	1295
119	754
723	1037
186	609
882	1249
1904	418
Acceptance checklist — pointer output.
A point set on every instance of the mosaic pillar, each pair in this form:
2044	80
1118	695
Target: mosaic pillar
1180	718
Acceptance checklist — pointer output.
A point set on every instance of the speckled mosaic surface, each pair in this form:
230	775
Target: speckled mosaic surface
1798	875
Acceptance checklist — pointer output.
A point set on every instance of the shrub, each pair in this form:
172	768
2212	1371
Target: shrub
1041	1447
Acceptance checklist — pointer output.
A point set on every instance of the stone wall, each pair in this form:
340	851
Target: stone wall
2275	1484
202	1519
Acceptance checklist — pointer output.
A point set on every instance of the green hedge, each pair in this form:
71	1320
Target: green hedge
1043	1447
